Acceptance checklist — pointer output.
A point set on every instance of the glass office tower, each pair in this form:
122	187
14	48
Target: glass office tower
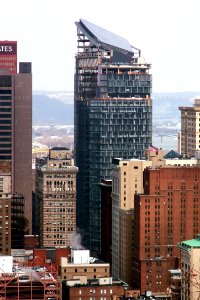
113	116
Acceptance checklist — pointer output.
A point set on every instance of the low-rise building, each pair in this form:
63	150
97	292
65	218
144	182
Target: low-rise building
81	264
102	288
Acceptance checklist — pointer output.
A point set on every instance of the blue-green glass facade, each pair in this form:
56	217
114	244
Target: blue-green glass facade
113	118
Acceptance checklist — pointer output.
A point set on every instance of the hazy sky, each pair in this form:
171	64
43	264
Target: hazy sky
167	32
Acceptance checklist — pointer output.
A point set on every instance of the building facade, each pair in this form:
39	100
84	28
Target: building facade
15	141
94	290
113	116
81	265
190	129
127	181
56	196
190	257
167	213
106	220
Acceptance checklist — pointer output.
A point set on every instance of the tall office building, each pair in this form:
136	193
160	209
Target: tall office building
56	192
15	135
127	181
190	129
113	116
167	213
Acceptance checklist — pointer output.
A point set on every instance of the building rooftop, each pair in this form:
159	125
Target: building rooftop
172	154
59	148
103	37
187	245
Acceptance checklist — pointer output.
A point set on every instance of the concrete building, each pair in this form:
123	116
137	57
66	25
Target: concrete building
127	181
166	213
190	257
15	138
113	116
190	128
81	264
56	197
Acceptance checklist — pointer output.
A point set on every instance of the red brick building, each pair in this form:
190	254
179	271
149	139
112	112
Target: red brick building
93	290
167	213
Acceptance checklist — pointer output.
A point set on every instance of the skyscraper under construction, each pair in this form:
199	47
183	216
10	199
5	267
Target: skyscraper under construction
113	116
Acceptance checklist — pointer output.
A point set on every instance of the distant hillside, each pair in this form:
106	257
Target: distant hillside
58	108
165	105
48	111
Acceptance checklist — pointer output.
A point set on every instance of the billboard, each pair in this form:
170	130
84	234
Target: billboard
8	48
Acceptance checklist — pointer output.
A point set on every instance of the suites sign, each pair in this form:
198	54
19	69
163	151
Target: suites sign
8	48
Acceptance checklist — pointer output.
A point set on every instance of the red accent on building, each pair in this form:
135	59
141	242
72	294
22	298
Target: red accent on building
8	56
62	252
39	257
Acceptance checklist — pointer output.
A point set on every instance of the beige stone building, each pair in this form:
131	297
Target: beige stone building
127	180
190	258
56	196
82	266
190	129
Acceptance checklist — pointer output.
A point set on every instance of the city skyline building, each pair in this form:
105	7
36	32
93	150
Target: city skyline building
56	198
190	257
15	145
164	215
127	181
113	116
189	138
